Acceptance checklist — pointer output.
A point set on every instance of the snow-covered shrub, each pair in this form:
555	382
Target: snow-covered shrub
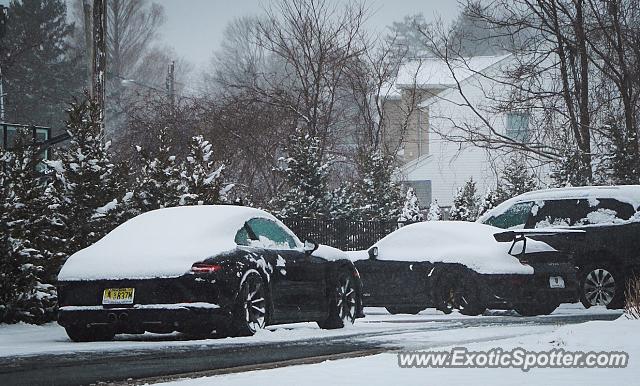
411	210
201	177
378	195
434	211
158	180
490	200
342	205
516	178
91	190
306	175
632	298
27	237
465	203
569	169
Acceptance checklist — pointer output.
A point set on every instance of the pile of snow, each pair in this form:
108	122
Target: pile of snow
467	243
161	243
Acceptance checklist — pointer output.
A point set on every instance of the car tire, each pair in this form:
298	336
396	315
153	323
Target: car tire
461	291
343	300
535	309
601	285
394	310
250	312
89	334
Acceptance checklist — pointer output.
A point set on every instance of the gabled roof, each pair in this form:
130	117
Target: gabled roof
434	73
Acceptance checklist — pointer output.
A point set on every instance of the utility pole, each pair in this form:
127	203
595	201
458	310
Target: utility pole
99	62
88	42
171	86
3	32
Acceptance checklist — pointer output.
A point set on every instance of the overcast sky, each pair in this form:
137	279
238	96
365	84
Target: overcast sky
194	27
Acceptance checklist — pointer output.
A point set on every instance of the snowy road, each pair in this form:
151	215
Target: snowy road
43	354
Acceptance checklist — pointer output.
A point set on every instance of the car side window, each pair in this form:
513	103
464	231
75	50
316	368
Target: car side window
560	213
270	235
513	218
607	211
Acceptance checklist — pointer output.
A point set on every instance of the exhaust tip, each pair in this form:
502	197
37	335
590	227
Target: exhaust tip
111	317
123	317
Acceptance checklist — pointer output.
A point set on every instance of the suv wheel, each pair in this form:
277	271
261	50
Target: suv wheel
600	285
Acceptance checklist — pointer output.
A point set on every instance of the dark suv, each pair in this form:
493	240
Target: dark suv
607	253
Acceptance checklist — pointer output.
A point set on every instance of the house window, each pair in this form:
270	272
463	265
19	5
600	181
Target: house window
40	134
8	134
518	126
422	189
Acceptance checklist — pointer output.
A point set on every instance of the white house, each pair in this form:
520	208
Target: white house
435	157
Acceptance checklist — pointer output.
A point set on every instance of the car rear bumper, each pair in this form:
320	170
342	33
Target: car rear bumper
146	317
507	290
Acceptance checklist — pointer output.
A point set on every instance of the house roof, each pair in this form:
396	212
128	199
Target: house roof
429	73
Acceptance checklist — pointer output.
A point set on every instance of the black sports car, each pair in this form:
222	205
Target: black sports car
466	266
203	268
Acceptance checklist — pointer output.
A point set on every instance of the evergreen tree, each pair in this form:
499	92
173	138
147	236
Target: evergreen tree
434	211
92	192
39	71
465	203
158	182
24	296
306	179
342	205
516	178
491	199
201	179
569	170
378	196
411	210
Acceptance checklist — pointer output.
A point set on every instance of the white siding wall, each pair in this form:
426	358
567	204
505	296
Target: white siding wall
451	164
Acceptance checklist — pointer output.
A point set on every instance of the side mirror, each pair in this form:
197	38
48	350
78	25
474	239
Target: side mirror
310	246
373	253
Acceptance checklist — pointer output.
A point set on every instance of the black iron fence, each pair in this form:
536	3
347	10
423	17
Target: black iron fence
347	235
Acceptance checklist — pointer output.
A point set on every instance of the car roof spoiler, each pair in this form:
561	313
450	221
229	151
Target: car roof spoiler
517	234
513	236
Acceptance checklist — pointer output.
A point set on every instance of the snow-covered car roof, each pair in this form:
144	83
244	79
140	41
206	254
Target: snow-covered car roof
624	193
162	243
467	243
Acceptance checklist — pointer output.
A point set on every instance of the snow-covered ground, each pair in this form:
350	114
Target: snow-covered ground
28	340
429	330
383	369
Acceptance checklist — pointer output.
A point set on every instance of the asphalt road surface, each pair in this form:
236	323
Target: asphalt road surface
140	365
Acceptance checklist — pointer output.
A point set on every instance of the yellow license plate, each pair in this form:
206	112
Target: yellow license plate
118	296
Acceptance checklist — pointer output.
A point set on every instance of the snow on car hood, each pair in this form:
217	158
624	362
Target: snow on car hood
467	243
330	253
161	243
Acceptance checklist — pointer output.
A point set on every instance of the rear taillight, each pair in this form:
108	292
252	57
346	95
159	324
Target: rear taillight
205	268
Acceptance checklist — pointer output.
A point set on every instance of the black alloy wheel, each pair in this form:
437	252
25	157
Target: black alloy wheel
460	291
601	286
251	311
342	303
